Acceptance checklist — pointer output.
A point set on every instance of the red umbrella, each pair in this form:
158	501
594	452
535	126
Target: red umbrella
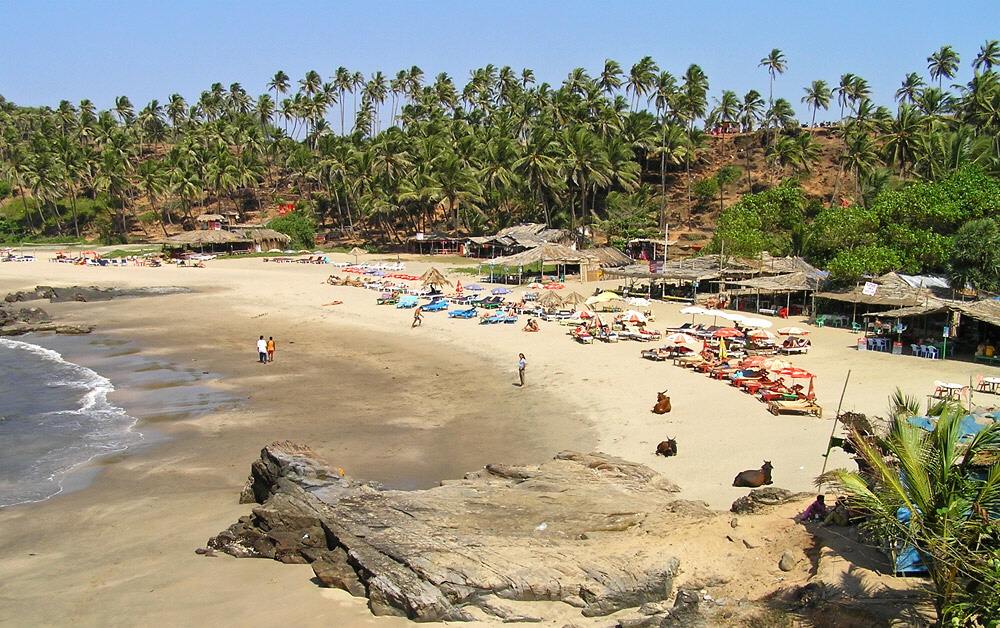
761	334
727	332
554	286
458	288
795	372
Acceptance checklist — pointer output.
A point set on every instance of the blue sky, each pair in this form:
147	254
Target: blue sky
145	49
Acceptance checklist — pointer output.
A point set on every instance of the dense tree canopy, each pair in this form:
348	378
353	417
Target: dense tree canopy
394	153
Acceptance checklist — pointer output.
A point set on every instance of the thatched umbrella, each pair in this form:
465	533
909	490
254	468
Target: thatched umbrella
356	251
573	298
434	277
550	299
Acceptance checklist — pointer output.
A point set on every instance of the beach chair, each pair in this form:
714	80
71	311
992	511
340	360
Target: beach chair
407	301
801	406
466	313
657	355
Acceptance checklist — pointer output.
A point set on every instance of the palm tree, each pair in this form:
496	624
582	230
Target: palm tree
943	64
611	77
817	97
775	63
751	110
152	182
910	89
935	479
989	56
904	138
641	79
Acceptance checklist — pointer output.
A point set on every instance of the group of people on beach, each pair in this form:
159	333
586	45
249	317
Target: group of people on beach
265	350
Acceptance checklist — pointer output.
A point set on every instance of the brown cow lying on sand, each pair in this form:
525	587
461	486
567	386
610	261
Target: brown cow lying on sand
662	403
754	477
667	448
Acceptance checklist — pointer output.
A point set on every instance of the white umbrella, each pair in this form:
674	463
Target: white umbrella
633	317
680	338
757	322
694	309
637	301
731	316
792	331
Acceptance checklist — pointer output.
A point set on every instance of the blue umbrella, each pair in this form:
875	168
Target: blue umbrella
474	287
501	290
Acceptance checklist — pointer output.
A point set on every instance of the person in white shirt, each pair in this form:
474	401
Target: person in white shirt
262	350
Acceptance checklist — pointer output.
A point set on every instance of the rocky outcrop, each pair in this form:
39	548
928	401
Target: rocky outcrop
481	546
761	499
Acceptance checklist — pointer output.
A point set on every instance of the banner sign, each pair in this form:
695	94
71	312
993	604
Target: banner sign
286	209
870	288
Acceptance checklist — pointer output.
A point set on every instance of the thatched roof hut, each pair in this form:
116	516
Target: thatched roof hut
891	289
550	299
608	257
203	237
266	239
433	276
553	253
573	298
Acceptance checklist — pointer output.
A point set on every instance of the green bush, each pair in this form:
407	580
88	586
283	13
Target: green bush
298	225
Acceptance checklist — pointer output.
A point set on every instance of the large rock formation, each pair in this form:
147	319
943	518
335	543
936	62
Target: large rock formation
567	530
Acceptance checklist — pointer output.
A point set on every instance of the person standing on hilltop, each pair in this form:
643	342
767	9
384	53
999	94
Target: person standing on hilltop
262	350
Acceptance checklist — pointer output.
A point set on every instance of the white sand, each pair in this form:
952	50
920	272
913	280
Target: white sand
121	551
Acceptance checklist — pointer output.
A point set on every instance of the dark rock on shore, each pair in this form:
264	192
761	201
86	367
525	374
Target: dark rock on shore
483	546
87	293
760	499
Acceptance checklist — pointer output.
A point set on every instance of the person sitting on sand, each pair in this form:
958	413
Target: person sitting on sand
531	326
839	515
815	512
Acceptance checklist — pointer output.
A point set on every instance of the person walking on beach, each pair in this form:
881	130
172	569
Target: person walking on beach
418	317
522	363
262	350
270	348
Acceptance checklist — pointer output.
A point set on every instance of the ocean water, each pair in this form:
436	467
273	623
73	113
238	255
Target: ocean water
54	416
57	415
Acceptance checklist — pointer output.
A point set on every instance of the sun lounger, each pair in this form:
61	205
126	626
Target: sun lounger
657	355
510	319
436	305
794	350
466	313
801	406
407	301
386	299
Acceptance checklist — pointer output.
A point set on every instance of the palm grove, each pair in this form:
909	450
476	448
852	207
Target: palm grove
914	190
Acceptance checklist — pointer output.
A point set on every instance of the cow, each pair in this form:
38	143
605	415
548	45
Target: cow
754	477
662	403
667	448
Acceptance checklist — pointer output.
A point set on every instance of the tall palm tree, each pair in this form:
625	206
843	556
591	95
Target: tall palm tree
817	97
611	77
910	89
943	64
641	79
989	56
775	63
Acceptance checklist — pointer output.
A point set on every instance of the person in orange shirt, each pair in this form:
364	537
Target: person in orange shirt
270	348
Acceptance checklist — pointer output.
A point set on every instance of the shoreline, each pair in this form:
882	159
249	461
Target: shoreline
372	396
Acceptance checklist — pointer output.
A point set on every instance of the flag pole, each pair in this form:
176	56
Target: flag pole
836	421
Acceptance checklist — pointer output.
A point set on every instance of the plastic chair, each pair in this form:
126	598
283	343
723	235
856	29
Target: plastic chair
820	321
931	352
856	327
915	350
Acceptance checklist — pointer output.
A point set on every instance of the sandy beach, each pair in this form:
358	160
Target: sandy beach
406	407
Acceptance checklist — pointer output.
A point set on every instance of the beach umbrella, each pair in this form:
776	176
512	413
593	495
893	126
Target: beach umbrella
550	299
730	316
356	251
761	335
607	295
757	322
501	290
574	298
637	302
433	276
631	316
680	338
554	286
727	332
792	331
775	364
534	285
794	372
582	314
755	360
458	286
694	309
722	349
475	287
